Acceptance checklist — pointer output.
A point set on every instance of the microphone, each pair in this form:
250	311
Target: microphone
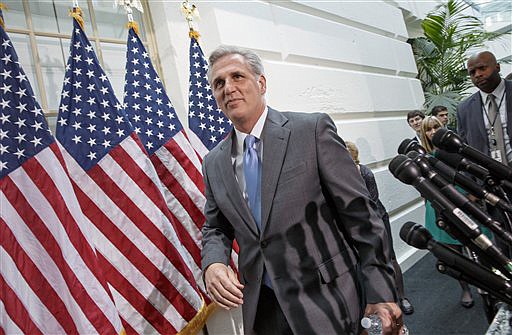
451	142
457	198
409	173
410	145
467	183
417	236
460	163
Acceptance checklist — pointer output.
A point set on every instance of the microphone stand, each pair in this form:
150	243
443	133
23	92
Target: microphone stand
489	296
490	303
454	273
452	230
505	218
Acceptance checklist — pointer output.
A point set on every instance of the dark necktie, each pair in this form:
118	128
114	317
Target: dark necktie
498	129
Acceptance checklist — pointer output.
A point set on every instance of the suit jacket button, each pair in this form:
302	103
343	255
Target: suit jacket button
264	244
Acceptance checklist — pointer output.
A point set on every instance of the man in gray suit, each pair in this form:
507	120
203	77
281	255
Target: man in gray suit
313	253
484	120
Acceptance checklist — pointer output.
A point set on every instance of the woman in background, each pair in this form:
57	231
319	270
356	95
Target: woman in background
371	185
429	126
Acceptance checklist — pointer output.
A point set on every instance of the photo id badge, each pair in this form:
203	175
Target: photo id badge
496	155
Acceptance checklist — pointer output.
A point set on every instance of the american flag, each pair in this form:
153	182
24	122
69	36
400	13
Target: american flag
206	121
152	286
155	122
50	281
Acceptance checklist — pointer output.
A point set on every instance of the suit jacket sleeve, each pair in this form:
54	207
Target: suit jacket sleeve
373	190
371	185
461	126
356	213
218	234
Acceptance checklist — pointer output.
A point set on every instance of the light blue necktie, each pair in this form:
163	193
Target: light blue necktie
252	174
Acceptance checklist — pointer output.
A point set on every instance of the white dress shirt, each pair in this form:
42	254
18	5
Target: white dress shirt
501	102
237	150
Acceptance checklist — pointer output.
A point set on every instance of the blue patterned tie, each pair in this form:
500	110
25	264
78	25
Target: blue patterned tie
252	174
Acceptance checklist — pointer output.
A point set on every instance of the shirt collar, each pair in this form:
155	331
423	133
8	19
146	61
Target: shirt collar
498	92
256	131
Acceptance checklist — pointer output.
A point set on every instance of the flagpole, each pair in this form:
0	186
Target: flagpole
128	4
132	23
2	8
190	12
76	13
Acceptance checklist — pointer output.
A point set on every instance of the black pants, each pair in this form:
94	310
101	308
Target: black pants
270	319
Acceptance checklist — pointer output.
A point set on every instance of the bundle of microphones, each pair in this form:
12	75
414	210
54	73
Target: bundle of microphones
482	179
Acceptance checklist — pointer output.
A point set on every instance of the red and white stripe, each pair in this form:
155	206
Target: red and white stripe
179	168
50	279
197	144
146	265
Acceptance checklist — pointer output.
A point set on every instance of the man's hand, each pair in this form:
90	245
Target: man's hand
223	286
391	316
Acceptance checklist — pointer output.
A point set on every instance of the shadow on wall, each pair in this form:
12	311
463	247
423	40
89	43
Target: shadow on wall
365	151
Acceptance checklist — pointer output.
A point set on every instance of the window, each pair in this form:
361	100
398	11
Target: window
41	30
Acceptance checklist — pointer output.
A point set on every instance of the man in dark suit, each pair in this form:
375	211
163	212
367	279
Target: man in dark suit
484	120
313	252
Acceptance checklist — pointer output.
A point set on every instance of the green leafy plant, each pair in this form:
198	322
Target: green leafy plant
449	36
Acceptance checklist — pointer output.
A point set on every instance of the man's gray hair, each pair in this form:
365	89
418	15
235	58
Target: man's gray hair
252	59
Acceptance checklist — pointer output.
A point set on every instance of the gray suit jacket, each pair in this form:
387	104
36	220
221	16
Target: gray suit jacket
470	120
321	242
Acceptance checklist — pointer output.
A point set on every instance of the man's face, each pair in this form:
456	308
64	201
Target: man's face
484	72
443	117
238	92
415	123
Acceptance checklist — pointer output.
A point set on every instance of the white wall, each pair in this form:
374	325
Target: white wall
348	59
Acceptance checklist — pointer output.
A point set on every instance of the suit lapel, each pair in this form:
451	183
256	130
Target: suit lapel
225	169
508	95
275	141
479	122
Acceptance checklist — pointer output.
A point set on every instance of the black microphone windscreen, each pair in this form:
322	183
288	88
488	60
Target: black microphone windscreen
404	169
395	163
449	158
447	140
415	235
403	148
438	137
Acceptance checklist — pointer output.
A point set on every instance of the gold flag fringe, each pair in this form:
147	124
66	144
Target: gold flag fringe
194	34
76	13
2	7
198	322
134	25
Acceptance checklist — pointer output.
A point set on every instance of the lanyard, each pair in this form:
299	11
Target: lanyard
484	107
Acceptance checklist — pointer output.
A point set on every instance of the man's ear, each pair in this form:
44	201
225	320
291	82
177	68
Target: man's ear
262	82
